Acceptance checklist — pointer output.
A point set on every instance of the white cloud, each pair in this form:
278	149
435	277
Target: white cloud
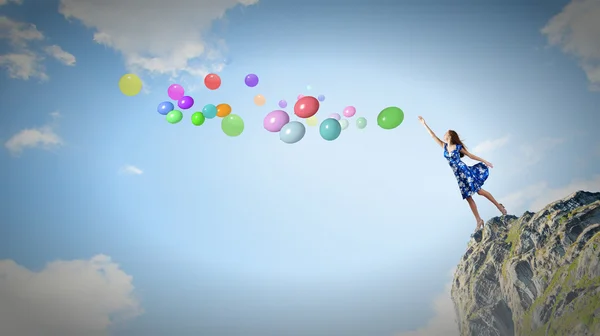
131	170
5	2
535	197
23	61
575	30
44	137
491	145
178	47
67	298
443	323
62	56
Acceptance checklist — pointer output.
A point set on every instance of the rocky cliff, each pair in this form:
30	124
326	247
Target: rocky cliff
534	275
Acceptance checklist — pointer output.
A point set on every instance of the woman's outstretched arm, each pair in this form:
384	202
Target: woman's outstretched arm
475	157
439	142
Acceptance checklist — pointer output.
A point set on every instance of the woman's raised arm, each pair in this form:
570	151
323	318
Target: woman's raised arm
439	142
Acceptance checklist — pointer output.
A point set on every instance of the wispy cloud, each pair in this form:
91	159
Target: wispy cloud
44	137
23	60
491	145
5	2
443	323
536	196
537	151
130	170
62	56
77	297
575	30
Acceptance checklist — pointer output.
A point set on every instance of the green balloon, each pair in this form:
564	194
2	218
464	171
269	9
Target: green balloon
361	122
198	118
390	118
174	116
232	125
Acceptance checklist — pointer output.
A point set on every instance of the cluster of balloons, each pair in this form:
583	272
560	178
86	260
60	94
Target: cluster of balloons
231	124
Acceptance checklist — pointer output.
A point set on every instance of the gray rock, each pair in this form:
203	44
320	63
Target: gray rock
538	274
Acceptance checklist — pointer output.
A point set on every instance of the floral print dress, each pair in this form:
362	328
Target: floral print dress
470	178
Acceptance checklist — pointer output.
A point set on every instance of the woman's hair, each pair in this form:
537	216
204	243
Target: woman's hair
455	139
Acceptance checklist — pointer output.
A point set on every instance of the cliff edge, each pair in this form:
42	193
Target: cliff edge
534	275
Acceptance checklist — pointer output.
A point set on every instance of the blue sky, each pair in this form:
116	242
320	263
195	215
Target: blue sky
133	226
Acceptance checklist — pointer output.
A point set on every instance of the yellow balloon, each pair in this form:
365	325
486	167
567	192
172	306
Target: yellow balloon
312	121
259	100
130	84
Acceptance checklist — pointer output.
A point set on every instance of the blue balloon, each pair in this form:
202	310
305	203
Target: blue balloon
292	132
330	129
165	107
321	98
209	111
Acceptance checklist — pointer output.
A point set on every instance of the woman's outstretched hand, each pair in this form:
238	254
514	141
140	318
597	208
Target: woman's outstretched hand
488	164
421	120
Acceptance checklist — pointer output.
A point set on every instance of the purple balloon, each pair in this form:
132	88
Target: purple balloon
335	116
176	91
275	120
321	98
282	103
185	102
251	80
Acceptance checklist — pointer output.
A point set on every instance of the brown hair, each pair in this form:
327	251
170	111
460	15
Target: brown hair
455	139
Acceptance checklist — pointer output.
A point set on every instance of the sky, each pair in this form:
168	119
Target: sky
115	222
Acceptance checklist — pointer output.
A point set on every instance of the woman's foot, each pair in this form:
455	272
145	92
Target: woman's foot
479	225
502	209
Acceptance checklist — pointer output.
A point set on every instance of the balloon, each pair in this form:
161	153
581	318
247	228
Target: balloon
130	84
282	103
321	98
312	121
308	87
176	91
306	107
259	100
212	81
174	116
335	116
165	107
300	96
275	120
344	123
185	102
198	118
232	125
390	117
209	111
292	132
227	60
251	80
330	129
223	110
361	122
349	111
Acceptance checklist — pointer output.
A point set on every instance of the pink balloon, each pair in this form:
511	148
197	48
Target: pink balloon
335	116
176	91
300	96
275	120
349	111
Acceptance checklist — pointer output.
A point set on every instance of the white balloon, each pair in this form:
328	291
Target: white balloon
344	123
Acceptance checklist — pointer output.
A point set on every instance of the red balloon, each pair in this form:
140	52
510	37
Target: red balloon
212	81
306	107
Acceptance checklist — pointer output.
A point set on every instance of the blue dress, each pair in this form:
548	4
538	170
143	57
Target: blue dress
470	178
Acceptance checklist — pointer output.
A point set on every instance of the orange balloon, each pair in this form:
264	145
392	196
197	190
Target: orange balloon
223	110
259	100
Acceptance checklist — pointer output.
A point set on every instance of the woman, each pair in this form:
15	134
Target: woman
470	179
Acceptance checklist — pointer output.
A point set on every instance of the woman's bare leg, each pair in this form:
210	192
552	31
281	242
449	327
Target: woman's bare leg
491	198
473	207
